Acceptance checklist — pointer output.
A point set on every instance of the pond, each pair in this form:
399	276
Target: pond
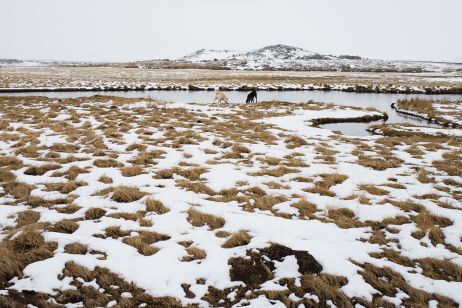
379	101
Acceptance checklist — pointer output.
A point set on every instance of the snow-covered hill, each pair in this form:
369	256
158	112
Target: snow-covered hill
283	57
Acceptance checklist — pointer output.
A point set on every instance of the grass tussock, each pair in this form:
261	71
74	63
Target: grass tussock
295	141
105	179
28	247
328	180
192	174
156	206
198	219
305	208
27	217
76	249
94	213
127	194
379	163
106	163
240	238
64	226
10	162
41	170
196	187
131	171
194	253
373	190
276	172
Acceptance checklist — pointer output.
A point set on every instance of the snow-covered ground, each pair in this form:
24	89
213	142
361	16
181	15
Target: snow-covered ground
283	57
112	78
222	205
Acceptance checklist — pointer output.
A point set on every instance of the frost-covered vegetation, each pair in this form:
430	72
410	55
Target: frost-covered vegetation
110	201
120	78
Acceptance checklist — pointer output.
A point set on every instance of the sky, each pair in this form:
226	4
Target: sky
122	30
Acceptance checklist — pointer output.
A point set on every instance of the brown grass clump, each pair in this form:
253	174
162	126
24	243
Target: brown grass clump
107	163
440	269
76	249
451	163
64	226
6	175
27	217
379	163
423	176
192	174
305	208
10	162
343	217
131	171
147	158
64	147
144	241
194	253
127	194
373	190
28	247
276	172
41	170
266	203
67	187
74	171
199	219
197	187
240	238
295	141
328	180
389	282
18	190
94	213
156	206
105	179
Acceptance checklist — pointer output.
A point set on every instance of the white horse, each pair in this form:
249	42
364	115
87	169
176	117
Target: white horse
220	96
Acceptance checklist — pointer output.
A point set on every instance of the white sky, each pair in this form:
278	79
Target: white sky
116	30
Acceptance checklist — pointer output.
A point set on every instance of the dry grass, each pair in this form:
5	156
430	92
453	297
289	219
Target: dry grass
379	163
156	206
28	247
6	175
197	187
328	180
10	162
94	213
276	172
192	174
131	171
305	208
194	253
441	269
240	238
64	226
373	190
106	163
105	179
198	219
41	170
295	141
76	249
127	194
27	217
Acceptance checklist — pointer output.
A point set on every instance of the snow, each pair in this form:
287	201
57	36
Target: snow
162	274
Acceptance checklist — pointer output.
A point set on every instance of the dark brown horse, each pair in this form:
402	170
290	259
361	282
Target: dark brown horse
252	95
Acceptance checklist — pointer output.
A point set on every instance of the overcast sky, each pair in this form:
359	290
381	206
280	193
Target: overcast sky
115	30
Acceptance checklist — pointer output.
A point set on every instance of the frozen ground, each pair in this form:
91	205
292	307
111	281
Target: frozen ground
113	78
109	201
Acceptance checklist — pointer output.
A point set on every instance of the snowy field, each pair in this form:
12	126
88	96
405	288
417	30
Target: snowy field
125	202
113	78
